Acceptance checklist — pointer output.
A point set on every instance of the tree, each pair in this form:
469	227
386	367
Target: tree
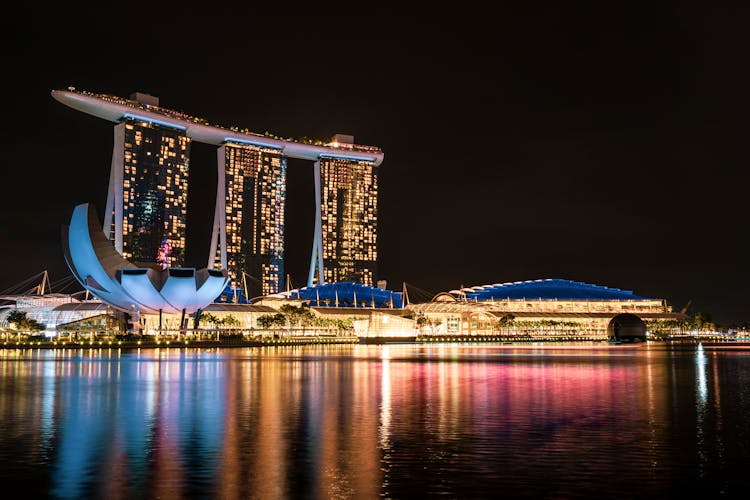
265	321
703	321
279	320
230	321
506	320
298	315
210	318
271	320
345	324
420	319
23	323
16	317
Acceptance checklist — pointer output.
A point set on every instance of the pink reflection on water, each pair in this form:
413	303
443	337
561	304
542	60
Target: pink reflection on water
339	421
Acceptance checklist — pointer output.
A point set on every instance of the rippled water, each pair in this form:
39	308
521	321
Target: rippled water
397	421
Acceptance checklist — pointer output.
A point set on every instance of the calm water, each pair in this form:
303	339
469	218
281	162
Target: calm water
394	421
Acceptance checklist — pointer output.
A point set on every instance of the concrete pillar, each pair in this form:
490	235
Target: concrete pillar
316	259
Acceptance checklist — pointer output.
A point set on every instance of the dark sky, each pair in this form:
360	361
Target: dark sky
603	142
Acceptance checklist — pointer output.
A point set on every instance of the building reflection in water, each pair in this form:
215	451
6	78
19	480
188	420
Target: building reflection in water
129	425
297	422
345	421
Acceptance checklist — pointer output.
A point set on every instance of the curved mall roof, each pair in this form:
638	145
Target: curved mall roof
348	294
114	109
546	289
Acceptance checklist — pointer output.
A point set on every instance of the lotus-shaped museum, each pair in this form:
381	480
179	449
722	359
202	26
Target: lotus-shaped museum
116	281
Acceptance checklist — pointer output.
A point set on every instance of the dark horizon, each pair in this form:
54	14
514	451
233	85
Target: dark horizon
597	143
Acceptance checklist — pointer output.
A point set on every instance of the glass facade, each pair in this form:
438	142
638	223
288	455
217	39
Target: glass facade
349	207
154	193
254	197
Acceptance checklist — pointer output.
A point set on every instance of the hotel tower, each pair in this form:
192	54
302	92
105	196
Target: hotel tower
146	210
345	241
248	233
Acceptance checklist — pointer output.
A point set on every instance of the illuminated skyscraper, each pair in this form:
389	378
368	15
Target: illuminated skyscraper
148	186
248	234
146	207
345	242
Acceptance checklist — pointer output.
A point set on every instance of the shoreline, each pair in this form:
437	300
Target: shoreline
201	344
343	340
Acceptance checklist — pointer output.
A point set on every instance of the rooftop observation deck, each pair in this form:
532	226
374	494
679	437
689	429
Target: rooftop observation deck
115	109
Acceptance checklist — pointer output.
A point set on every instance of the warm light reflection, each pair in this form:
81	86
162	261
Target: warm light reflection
384	429
385	353
346	420
700	374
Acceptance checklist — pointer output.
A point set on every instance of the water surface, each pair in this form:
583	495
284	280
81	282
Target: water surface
365	421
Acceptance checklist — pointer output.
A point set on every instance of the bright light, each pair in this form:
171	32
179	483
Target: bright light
252	143
147	119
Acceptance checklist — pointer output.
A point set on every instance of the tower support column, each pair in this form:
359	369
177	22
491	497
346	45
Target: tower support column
219	234
316	259
115	196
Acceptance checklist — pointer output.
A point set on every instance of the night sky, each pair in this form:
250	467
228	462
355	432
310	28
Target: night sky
598	142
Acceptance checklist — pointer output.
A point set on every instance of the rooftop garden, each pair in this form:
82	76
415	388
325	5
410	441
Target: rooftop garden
169	113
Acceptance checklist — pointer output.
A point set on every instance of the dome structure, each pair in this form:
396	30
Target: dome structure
106	274
348	294
545	289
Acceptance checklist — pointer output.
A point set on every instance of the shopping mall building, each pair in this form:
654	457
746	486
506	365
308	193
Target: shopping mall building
543	308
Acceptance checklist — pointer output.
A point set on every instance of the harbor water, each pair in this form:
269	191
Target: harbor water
369	421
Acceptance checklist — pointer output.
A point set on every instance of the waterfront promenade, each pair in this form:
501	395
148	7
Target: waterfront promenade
152	342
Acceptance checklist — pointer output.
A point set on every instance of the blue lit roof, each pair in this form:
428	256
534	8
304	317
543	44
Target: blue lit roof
344	293
232	295
548	289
